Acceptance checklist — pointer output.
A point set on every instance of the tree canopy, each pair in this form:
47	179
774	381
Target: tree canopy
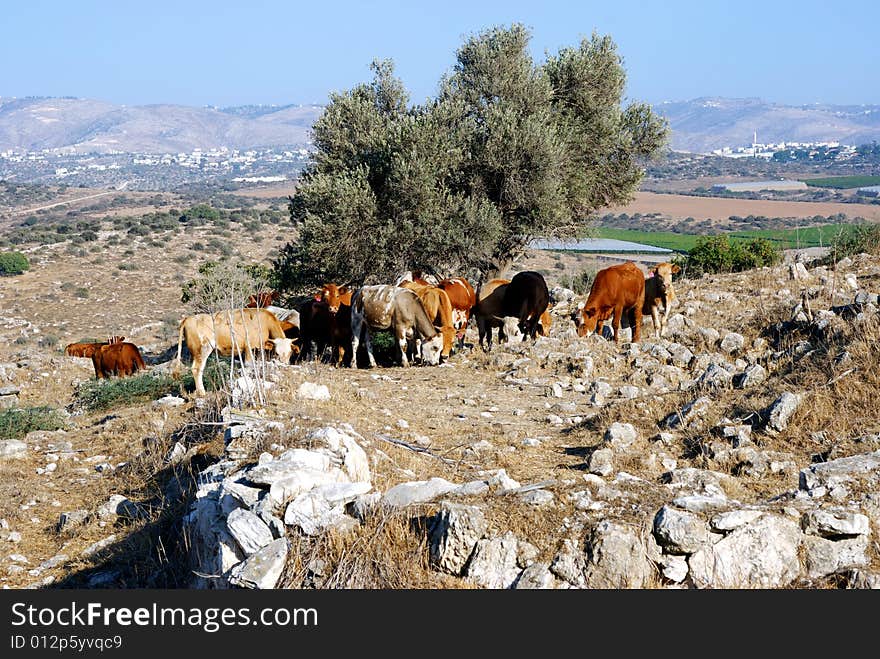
508	151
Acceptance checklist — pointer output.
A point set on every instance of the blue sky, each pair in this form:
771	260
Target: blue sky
259	51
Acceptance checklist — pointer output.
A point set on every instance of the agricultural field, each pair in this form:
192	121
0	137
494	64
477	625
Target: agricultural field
842	182
818	236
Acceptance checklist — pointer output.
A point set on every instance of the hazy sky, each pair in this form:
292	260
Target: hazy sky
259	51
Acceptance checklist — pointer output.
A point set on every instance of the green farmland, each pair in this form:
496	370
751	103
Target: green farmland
842	182
817	236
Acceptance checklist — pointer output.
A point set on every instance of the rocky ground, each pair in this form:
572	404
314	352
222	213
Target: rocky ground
741	450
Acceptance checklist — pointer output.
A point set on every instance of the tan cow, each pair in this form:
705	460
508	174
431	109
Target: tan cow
439	308
659	290
237	330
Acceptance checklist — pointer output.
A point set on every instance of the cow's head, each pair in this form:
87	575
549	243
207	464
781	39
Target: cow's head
431	349
335	296
283	349
587	319
663	273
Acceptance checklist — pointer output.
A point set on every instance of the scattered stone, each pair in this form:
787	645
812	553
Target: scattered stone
263	569
71	519
95	547
249	531
831	524
454	534
732	343
169	401
536	576
688	414
312	391
779	413
602	462
406	494
752	376
493	564
12	448
537	497
680	532
759	554
621	436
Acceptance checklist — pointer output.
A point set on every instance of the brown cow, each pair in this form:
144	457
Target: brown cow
439	309
117	359
462	298
545	323
83	349
616	290
659	290
262	299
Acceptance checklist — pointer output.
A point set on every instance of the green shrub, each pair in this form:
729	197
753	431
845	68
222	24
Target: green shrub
13	263
858	239
712	254
16	423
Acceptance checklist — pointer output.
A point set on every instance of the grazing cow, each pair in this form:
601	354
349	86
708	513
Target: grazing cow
439	309
462	298
545	323
399	309
526	297
616	290
117	359
82	349
262	299
489	311
659	290
238	331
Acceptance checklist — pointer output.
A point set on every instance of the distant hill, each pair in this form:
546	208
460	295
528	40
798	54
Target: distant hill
86	125
89	126
704	124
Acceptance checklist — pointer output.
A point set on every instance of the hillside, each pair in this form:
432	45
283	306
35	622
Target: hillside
85	125
703	124
741	450
88	126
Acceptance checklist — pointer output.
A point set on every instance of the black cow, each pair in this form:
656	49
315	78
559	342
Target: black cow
526	298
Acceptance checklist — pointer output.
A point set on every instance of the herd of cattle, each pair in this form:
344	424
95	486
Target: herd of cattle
427	319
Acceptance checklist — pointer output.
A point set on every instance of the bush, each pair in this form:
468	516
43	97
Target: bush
104	394
13	263
16	423
858	239
719	254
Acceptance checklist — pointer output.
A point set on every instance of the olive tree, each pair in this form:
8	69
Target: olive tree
509	150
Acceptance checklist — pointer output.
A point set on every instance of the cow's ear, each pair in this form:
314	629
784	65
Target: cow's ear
343	289
318	297
675	269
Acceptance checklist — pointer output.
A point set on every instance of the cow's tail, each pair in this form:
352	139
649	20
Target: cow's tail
177	364
139	360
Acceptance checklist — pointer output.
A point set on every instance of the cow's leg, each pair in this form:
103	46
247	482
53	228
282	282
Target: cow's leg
665	317
635	321
485	341
615	323
368	344
198	368
404	344
655	318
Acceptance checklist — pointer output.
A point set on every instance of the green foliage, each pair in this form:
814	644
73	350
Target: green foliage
105	394
507	151
860	238
842	182
13	263
719	254
17	422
